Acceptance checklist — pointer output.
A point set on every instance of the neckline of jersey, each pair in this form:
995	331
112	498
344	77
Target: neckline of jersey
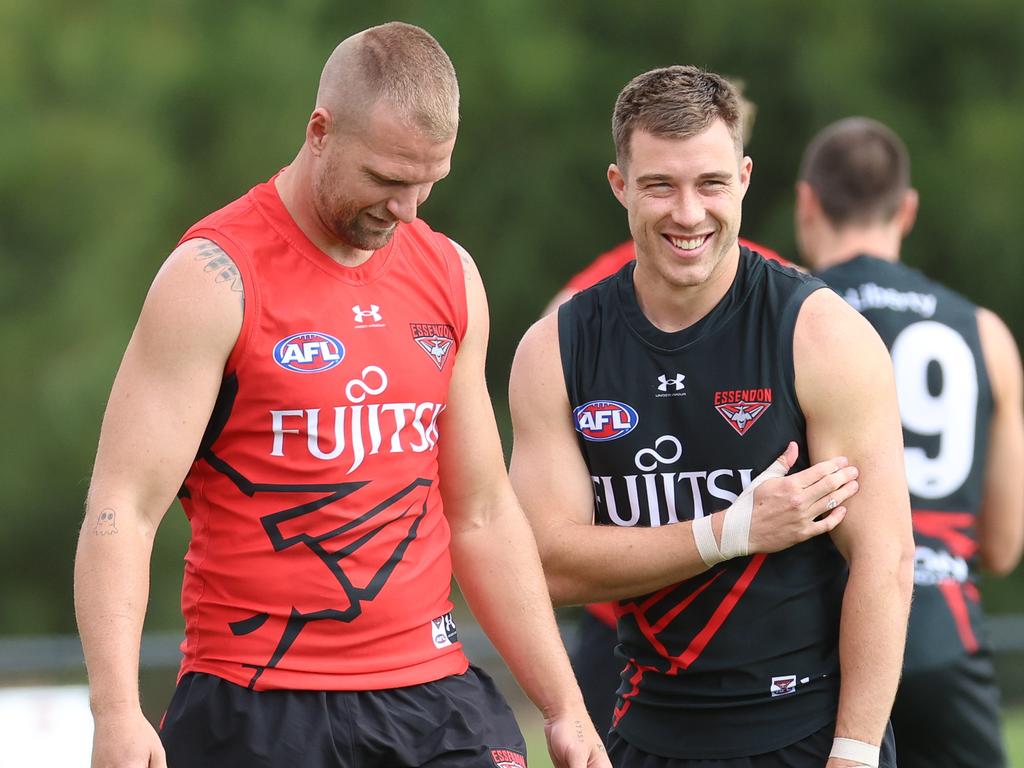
673	341
269	202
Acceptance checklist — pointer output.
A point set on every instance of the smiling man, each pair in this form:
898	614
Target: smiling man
307	375
747	638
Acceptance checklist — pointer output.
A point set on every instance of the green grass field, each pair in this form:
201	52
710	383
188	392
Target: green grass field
1014	725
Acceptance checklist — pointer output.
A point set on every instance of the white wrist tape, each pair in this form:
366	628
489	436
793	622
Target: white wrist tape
858	751
736	525
704	537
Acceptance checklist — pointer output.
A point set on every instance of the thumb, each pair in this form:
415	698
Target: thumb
781	466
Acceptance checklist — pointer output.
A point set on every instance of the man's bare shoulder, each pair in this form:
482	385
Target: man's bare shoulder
540	340
827	327
195	304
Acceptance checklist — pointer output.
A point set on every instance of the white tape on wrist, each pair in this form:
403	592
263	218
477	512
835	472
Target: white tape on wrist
704	538
736	525
866	755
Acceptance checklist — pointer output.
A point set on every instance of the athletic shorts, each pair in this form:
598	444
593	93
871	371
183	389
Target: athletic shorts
811	752
597	669
460	721
949	717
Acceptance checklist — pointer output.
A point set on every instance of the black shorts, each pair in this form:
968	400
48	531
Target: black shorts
460	721
597	669
949	717
811	752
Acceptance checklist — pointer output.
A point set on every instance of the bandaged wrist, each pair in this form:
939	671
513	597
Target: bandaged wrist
860	752
735	523
704	537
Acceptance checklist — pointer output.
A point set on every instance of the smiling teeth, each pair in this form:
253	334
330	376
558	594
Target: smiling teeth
687	245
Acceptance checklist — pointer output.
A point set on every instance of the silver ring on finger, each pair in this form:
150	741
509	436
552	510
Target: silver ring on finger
831	504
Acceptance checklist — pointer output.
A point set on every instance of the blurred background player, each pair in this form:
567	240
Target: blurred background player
593	654
958	376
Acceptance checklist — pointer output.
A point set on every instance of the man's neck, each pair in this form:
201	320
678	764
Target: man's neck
296	195
672	307
880	242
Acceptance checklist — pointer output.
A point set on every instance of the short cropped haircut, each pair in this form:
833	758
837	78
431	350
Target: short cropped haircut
405	66
675	102
859	169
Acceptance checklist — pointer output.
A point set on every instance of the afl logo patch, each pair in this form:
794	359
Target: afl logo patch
601	420
308	352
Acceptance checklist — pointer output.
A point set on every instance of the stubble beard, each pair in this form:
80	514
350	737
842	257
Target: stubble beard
342	218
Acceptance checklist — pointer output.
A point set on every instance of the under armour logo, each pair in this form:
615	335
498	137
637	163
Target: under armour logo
676	383
362	315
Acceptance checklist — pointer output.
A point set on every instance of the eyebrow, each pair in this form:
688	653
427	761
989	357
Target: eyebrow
649	177
382	178
655	177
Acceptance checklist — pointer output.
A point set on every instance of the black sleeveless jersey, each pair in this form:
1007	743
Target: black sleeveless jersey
743	658
946	408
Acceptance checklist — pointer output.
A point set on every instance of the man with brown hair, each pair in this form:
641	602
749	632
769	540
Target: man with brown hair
959	380
297	361
649	403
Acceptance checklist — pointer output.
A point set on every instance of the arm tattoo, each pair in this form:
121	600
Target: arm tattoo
220	265
467	264
106	523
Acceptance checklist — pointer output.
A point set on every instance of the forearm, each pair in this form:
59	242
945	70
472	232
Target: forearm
111	593
872	636
589	563
500	576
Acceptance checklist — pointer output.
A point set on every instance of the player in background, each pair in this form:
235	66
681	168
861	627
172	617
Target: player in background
593	655
307	376
739	647
958	378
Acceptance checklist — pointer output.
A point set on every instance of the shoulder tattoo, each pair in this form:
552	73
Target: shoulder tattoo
467	264
217	263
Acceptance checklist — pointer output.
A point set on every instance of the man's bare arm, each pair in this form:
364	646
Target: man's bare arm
584	562
494	554
1001	520
158	409
847	392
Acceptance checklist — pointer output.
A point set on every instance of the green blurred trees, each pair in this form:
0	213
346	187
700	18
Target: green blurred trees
122	123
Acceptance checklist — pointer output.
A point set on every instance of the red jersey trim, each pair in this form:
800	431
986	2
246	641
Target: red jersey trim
271	207
456	277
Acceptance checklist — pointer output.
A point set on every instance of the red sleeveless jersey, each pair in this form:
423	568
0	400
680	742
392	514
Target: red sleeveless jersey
319	552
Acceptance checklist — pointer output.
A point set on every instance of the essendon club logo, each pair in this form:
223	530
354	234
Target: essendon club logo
783	686
436	339
507	758
741	408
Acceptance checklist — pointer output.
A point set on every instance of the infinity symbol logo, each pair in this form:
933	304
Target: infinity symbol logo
657	457
357	389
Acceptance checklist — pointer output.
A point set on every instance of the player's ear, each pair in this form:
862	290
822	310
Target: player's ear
317	128
746	170
617	181
908	211
808	206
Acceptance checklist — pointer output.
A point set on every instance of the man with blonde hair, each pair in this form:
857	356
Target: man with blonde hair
307	376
